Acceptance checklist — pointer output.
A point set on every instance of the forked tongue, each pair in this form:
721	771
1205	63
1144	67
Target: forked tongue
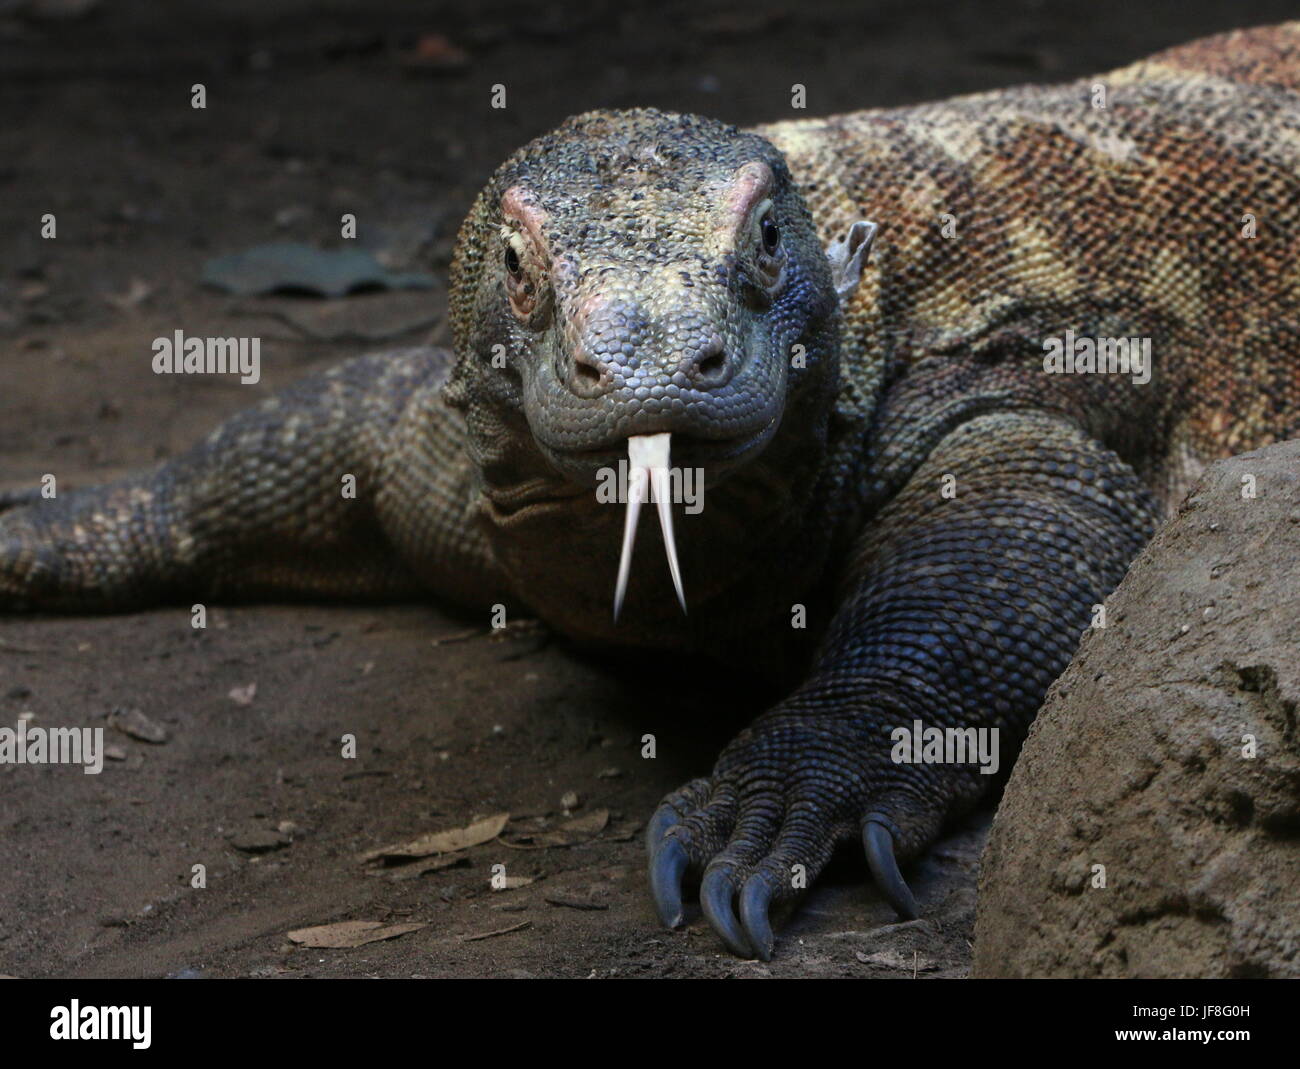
647	460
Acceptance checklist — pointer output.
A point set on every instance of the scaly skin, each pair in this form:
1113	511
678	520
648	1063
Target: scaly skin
616	278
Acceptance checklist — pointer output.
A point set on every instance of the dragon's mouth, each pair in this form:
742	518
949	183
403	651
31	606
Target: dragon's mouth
648	479
715	456
689	450
649	465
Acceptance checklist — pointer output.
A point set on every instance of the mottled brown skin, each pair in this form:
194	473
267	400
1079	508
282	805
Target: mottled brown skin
1122	221
1126	220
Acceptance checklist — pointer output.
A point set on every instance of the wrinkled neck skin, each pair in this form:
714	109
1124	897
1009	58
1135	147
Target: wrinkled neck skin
758	546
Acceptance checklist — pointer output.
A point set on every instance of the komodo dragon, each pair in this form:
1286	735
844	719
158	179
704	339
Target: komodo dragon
888	445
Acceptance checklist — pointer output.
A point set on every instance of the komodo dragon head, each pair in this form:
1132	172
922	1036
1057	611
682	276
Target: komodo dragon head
635	283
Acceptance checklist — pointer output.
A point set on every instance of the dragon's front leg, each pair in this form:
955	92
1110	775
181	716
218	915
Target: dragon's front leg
958	610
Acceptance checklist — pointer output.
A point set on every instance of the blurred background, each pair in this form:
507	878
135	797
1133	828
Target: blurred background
381	107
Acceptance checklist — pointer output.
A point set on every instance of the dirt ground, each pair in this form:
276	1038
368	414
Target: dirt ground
315	109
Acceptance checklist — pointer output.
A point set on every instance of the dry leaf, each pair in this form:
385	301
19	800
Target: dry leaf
444	842
572	832
346	934
626	832
583	904
421	868
578	830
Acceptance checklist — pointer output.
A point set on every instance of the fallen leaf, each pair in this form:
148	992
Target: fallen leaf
256	839
575	903
347	934
894	959
421	868
578	830
444	842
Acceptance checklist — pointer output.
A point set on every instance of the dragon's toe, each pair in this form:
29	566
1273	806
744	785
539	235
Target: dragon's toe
758	833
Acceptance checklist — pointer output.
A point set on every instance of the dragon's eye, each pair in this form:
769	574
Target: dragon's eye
771	234
512	260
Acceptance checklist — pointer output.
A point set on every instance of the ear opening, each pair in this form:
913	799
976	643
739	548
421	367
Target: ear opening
848	254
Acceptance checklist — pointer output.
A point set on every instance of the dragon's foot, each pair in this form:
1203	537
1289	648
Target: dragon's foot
784	794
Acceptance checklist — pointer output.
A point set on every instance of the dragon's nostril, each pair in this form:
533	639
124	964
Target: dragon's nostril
712	366
586	374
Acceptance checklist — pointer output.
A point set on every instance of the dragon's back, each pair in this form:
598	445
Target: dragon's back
1158	203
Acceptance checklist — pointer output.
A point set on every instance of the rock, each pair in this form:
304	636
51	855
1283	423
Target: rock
133	722
1137	761
286	267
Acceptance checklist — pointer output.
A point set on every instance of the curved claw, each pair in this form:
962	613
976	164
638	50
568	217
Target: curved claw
665	817
878	842
716	892
755	899
667	864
